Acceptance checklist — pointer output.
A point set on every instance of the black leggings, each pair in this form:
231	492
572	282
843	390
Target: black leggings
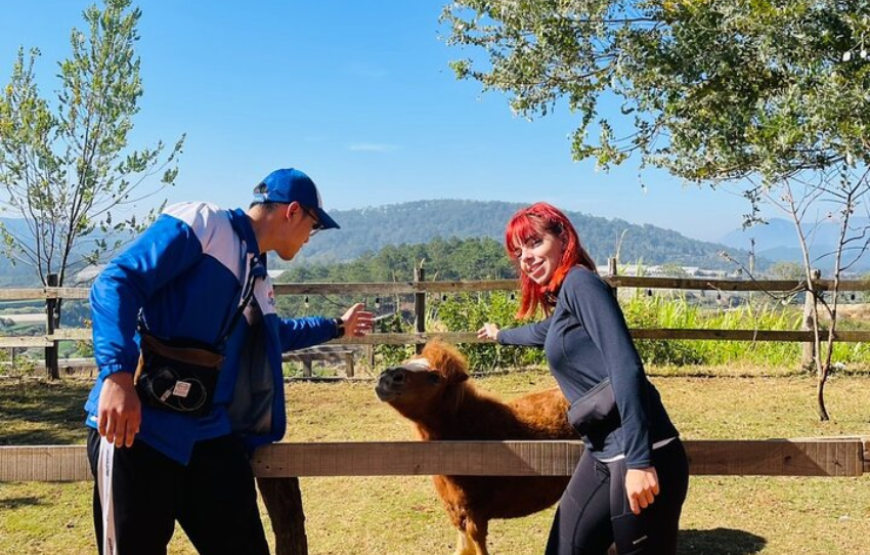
594	510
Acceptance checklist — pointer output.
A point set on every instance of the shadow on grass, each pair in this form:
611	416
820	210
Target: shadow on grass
719	541
37	412
17	502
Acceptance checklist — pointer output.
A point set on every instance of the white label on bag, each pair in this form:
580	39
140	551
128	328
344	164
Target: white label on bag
181	389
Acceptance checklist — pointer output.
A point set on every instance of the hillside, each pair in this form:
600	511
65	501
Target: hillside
777	240
370	229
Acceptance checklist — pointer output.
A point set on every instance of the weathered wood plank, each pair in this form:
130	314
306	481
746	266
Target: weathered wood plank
394	288
386	288
410	287
832	457
469	286
44	463
21	294
67	292
45	293
732	284
71	334
776	458
747	335
35	341
417	458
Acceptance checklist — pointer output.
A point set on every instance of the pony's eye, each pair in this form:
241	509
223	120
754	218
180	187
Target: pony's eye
434	378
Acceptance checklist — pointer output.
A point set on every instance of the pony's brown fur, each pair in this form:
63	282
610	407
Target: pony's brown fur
435	393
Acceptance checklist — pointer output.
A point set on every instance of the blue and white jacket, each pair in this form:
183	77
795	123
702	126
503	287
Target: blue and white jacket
185	274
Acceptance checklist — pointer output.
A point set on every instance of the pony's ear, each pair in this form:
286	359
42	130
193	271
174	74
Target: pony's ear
446	359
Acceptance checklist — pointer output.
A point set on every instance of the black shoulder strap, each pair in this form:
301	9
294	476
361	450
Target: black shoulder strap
255	271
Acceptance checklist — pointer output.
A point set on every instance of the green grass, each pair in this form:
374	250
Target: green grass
402	515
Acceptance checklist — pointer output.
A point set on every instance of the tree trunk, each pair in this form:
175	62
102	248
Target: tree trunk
810	352
283	500
52	321
820	390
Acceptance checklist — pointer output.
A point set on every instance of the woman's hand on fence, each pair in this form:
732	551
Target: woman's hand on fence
358	321
488	331
120	411
641	486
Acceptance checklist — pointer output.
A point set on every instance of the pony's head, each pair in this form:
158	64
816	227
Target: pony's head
424	382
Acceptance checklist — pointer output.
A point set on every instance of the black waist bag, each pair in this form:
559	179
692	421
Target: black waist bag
594	410
177	375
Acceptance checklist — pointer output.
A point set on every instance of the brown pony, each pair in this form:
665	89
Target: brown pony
433	390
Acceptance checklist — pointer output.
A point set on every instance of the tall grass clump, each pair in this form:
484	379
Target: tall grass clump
675	311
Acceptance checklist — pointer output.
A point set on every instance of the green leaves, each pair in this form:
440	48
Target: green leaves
66	168
713	90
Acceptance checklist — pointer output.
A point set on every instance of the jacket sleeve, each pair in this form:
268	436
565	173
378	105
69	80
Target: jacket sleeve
298	333
592	300
531	335
165	250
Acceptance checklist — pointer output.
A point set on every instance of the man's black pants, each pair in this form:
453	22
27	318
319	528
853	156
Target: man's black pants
594	511
140	493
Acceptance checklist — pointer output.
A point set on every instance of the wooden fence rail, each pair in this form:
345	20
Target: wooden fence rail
829	457
419	288
278	466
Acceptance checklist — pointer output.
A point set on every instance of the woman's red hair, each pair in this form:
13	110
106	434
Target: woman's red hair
533	221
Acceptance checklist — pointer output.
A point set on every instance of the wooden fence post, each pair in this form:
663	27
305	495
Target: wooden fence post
283	500
419	306
51	322
370	357
808	357
348	364
611	272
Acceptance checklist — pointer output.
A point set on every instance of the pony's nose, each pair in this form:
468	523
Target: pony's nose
396	374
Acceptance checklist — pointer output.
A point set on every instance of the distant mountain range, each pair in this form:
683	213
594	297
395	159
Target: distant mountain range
777	240
370	229
22	274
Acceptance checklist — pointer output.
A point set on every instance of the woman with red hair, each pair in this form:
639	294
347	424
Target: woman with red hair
631	482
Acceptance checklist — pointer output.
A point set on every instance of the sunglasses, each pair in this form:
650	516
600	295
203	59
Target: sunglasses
317	225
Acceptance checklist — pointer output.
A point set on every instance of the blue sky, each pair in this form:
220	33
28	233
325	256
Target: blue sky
357	94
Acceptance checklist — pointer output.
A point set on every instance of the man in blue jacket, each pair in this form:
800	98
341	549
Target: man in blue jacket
187	277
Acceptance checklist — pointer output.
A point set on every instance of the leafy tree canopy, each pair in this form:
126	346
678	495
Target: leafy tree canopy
714	90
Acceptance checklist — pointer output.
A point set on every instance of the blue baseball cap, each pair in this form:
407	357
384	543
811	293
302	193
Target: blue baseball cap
288	185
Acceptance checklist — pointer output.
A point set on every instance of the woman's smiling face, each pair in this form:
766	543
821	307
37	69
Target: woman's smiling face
539	256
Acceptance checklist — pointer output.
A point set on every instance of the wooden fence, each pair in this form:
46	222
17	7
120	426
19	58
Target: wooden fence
277	466
419	289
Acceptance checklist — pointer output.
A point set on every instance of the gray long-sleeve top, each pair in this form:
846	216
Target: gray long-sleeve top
586	341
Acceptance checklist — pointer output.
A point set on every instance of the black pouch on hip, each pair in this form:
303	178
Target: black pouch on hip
595	407
177	375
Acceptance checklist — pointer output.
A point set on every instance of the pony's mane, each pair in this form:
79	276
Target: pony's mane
447	360
453	366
